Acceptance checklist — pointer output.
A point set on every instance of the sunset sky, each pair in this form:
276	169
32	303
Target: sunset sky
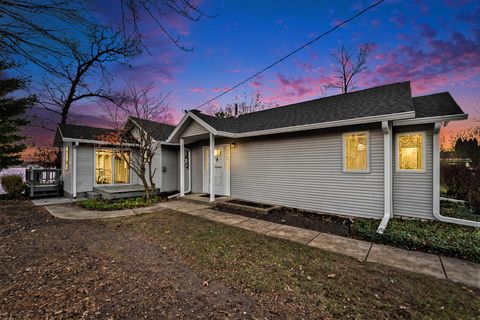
435	44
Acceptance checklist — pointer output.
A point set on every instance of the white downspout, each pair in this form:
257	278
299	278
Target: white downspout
182	167
436	183
212	154
74	169
387	176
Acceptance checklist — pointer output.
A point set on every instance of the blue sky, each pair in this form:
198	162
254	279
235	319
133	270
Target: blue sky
435	44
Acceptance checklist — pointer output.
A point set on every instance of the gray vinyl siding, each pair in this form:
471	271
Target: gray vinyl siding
67	174
85	168
303	170
306	172
194	129
170	178
413	191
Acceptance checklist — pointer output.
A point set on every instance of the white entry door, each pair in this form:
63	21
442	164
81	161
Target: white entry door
221	170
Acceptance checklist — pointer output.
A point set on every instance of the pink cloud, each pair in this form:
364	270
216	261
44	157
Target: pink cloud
235	70
197	89
218	89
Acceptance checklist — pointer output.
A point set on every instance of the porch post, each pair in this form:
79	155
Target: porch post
74	169
182	167
211	155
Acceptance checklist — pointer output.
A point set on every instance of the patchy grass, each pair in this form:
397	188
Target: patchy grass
430	236
458	210
118	204
296	281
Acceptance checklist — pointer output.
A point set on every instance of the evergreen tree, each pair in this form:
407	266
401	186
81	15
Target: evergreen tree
12	117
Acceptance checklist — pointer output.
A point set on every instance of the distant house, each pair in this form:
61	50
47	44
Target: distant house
371	153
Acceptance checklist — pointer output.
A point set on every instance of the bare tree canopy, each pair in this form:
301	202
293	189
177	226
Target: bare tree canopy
40	30
137	104
157	10
349	64
84	73
246	104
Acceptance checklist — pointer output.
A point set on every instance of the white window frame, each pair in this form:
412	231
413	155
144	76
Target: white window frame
344	152
113	169
397	152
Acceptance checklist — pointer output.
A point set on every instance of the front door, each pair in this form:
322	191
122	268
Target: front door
220	170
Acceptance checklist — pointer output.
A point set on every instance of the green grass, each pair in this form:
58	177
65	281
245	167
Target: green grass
118	204
296	281
430	236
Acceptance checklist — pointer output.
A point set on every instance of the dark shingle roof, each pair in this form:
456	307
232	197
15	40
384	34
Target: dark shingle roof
383	100
433	105
159	131
79	132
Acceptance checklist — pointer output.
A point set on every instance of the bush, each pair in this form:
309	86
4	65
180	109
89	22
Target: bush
431	236
118	204
13	185
462	183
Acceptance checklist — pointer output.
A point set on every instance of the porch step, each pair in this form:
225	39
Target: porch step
93	195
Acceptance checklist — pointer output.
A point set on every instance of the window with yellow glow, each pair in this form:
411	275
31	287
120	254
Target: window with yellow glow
355	146
67	157
410	151
122	169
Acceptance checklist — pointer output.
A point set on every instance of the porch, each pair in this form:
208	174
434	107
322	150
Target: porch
118	192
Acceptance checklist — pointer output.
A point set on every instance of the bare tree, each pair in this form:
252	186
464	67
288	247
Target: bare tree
158	11
84	74
349	64
133	110
40	30
248	103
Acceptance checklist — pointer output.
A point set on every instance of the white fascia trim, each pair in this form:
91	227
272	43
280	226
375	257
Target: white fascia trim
194	117
330	124
303	127
95	141
406	122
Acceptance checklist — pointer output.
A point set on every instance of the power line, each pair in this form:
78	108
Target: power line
290	54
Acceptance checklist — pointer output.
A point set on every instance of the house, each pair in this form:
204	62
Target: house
91	164
372	153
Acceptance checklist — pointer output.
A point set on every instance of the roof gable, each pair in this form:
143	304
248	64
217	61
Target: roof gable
159	131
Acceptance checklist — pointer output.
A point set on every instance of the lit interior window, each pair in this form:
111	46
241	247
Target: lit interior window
67	157
410	151
356	152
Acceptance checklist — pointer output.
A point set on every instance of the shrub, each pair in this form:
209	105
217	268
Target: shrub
462	183
13	185
118	204
431	236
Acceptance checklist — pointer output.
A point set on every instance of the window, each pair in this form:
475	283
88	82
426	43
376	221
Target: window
111	167
67	157
410	151
355	151
122	170
103	162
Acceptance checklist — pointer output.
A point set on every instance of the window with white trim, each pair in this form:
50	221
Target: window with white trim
355	152
411	151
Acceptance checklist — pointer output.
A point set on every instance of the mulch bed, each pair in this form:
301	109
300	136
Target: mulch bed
299	218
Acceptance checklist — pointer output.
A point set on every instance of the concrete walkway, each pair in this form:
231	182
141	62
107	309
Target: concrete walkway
456	270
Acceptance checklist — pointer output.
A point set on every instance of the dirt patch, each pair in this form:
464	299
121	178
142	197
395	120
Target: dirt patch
298	218
58	269
250	204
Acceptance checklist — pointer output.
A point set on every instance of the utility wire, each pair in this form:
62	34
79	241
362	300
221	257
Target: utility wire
290	54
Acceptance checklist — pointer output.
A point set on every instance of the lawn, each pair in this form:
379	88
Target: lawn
172	265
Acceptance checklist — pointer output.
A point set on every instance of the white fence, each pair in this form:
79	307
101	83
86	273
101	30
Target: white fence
10	171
